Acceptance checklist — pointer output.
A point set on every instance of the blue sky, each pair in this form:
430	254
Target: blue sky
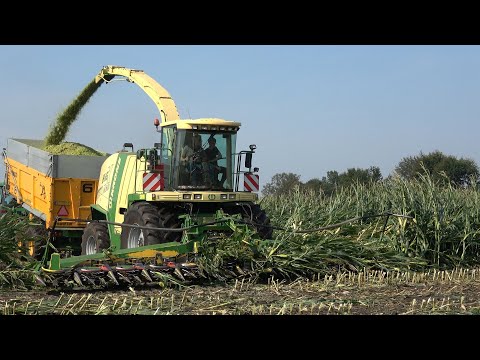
309	109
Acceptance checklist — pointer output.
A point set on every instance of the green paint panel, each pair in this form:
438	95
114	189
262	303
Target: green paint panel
117	177
135	197
56	263
101	210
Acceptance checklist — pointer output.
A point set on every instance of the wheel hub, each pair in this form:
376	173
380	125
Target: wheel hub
135	238
91	247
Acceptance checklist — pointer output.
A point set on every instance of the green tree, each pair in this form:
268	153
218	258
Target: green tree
458	171
281	184
330	182
363	176
334	181
284	182
313	185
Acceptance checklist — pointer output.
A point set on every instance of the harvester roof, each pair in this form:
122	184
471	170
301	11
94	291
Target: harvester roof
209	122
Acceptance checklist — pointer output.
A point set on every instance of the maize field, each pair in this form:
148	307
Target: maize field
426	264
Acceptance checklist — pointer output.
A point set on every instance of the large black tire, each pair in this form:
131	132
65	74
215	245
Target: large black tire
141	214
169	219
259	218
95	238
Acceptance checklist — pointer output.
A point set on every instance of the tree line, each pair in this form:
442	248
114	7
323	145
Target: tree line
444	169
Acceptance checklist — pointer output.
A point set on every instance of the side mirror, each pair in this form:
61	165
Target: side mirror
248	160
152	156
140	154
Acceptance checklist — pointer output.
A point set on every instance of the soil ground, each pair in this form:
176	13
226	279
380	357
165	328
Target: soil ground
447	292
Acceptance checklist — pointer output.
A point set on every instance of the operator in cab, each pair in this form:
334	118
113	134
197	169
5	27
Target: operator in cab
212	155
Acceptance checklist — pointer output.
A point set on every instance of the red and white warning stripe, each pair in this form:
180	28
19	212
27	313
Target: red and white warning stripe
251	182
152	182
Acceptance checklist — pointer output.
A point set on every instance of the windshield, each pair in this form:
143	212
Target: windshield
203	160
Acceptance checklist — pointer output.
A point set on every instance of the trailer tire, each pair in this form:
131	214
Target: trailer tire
141	214
95	238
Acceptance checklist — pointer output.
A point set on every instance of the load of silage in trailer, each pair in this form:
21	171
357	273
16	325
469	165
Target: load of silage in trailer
72	148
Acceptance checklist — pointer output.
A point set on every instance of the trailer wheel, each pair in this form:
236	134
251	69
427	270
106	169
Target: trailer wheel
169	219
95	238
140	214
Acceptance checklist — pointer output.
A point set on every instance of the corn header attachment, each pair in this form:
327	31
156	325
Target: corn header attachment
149	264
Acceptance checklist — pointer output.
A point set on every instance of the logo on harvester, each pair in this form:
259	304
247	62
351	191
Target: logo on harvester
63	211
251	182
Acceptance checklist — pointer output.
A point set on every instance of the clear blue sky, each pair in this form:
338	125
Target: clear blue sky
309	109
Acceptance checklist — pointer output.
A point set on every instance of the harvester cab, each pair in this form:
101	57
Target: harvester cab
199	155
183	156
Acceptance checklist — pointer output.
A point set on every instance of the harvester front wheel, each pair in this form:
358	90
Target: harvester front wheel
140	214
169	219
95	238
